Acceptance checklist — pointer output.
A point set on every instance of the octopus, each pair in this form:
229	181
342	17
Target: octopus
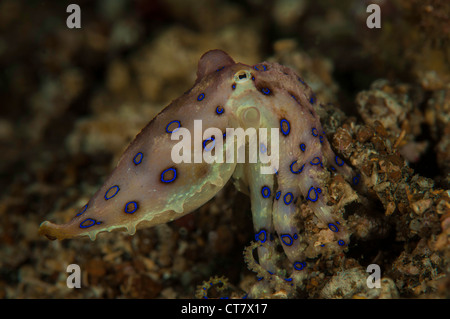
151	186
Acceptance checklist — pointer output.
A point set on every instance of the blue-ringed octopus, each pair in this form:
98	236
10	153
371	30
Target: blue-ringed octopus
148	187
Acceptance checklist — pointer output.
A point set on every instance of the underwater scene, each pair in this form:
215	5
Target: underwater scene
206	149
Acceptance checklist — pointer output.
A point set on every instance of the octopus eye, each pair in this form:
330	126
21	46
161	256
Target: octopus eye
242	76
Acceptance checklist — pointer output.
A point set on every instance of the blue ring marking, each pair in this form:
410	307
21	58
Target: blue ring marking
299	265
316	161
355	179
201	97
321	139
332	168
92	221
316	192
303	147
338	223
265	91
137	159
285	133
333	227
312	131
174	121
84	209
297	171
134	209
219	110
288	279
220	69
294	97
169	180
265	191
277	196
213	143
341	242
290	199
115	193
262	148
295	236
258	236
336	161
264	67
287	243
